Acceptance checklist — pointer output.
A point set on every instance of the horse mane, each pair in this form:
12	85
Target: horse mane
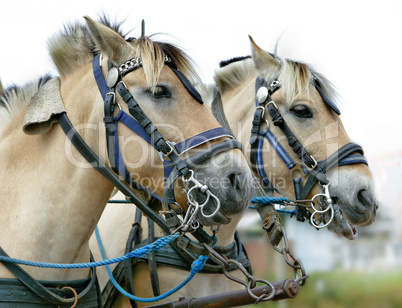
73	46
296	77
14	98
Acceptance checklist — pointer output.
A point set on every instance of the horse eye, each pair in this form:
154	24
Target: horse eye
161	92
302	111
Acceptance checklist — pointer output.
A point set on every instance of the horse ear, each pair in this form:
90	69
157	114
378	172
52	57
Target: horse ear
262	59
109	42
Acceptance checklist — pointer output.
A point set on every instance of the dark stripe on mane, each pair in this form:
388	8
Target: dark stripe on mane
16	89
233	60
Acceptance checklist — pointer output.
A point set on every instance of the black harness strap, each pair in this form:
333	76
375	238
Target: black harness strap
134	238
94	160
328	163
44	292
293	142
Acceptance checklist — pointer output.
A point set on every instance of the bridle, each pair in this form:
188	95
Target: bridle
174	165
316	171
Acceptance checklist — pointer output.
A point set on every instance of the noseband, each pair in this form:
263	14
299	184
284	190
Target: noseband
316	171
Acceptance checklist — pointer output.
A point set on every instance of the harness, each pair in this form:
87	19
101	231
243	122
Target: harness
170	255
25	291
175	167
316	171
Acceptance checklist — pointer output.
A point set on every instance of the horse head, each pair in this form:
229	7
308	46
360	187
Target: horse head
308	146
152	82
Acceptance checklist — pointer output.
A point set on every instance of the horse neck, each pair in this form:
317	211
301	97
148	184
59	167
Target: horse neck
50	204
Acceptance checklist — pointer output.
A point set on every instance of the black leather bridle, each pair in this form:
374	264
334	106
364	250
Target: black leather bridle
316	171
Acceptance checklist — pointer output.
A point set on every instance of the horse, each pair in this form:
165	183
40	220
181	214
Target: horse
306	101
298	147
58	173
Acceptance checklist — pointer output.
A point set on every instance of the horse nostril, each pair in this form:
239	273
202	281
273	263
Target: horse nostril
235	180
364	198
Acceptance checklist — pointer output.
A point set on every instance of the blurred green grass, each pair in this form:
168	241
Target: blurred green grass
347	289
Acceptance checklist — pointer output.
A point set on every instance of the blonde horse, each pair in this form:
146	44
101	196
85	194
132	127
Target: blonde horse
311	114
52	198
301	121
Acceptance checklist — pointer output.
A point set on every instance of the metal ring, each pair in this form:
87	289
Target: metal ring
322	226
314	208
263	297
216	201
189	178
75	295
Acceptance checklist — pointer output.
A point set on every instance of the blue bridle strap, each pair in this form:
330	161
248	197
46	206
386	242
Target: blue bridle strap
204	137
267	133
98	74
121	167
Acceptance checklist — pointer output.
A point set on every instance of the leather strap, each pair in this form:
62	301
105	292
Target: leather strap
94	160
330	162
39	289
218	112
297	147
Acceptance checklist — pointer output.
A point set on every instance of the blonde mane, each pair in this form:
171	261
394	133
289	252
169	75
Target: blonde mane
295	77
73	46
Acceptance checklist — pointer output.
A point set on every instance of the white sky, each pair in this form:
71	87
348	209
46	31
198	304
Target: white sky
356	44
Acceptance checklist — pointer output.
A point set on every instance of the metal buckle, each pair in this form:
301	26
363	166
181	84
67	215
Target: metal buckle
122	82
171	146
263	114
262	108
314	165
114	99
273	104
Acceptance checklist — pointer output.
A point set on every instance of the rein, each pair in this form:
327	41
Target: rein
316	171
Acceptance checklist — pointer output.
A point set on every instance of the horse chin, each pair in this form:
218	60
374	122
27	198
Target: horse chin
347	219
217	219
340	224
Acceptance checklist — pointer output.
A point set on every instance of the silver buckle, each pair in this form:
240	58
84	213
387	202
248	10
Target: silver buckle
315	164
273	104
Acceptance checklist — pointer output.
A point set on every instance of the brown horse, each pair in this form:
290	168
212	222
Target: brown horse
51	198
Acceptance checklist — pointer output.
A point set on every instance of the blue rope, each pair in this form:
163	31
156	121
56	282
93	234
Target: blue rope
133	254
196	266
272	200
269	200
